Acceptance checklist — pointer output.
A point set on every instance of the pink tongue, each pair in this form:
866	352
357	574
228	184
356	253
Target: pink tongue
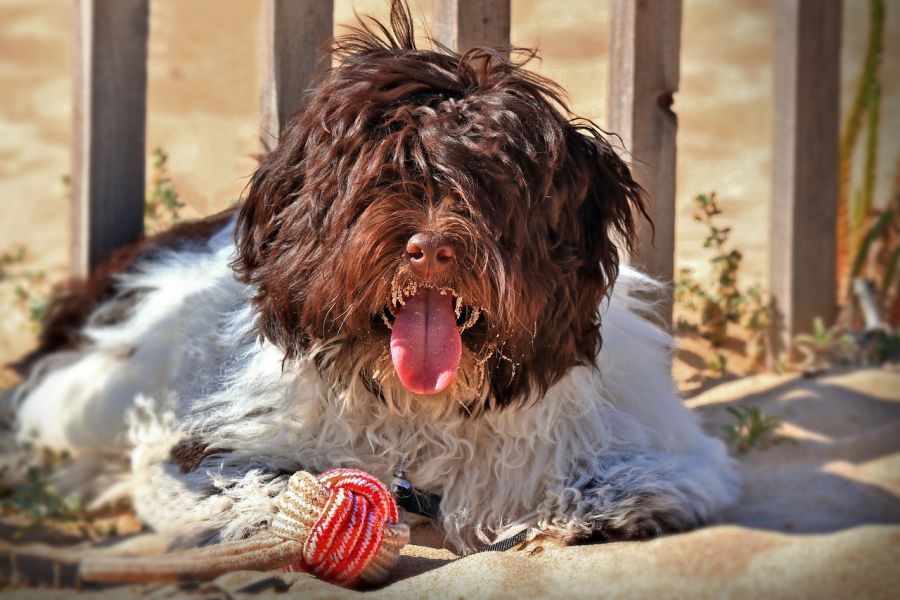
425	344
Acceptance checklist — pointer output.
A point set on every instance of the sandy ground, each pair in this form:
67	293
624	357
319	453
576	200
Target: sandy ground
819	517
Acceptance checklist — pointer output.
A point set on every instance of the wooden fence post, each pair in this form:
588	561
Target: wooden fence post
645	44
296	34
463	24
109	115
805	163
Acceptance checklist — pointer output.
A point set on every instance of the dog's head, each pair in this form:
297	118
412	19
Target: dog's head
436	222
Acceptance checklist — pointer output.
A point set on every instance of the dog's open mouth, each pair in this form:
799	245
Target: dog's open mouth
426	325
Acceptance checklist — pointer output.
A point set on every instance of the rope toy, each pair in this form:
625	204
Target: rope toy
342	526
349	521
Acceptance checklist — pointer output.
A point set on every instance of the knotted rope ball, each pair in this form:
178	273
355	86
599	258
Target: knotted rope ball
348	523
341	526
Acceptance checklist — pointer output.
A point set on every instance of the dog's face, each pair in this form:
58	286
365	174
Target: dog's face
435	222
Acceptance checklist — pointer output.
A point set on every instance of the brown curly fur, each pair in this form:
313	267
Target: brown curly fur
398	140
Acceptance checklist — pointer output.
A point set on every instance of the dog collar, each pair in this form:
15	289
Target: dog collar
412	500
429	505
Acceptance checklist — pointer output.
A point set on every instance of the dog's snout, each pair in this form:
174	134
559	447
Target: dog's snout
430	254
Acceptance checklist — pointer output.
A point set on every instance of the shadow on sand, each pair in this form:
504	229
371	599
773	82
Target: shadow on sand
836	466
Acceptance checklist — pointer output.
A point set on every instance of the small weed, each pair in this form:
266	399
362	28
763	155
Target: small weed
718	364
11	257
722	302
37	308
826	346
162	205
37	499
757	312
753	429
30	288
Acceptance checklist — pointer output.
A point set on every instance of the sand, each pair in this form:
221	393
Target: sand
820	516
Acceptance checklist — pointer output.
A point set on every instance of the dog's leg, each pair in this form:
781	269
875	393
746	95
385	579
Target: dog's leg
191	492
213	503
629	496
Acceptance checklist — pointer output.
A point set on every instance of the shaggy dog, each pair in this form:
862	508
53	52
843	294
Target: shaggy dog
424	270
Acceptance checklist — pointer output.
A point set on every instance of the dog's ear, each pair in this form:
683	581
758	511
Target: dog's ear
274	215
602	220
273	187
595	204
613	201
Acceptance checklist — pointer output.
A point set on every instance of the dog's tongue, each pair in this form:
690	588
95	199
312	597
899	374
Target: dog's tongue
425	343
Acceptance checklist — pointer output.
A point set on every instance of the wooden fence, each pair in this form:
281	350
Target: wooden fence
110	115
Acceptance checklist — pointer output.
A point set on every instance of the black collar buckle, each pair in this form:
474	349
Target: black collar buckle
412	500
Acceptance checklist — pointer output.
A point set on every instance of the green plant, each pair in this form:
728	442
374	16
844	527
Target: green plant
9	258
721	302
868	235
30	288
718	364
37	499
758	309
753	429
877	258
717	304
854	208
162	205
826	345
34	302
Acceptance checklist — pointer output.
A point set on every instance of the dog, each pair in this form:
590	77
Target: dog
425	271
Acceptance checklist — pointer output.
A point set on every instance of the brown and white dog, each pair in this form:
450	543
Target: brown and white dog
424	270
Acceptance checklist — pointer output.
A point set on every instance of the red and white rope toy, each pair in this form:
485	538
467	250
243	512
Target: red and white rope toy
349	521
342	526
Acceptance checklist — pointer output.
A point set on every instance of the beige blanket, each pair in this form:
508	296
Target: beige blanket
820	517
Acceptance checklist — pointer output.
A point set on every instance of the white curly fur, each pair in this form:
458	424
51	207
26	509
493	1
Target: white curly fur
610	450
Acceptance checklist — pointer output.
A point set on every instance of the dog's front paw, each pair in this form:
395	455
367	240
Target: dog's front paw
541	542
641	516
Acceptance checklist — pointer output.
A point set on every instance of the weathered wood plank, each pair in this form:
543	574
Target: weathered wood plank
805	162
464	24
110	107
645	44
296	35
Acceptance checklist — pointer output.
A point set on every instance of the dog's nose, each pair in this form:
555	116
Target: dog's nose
430	254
